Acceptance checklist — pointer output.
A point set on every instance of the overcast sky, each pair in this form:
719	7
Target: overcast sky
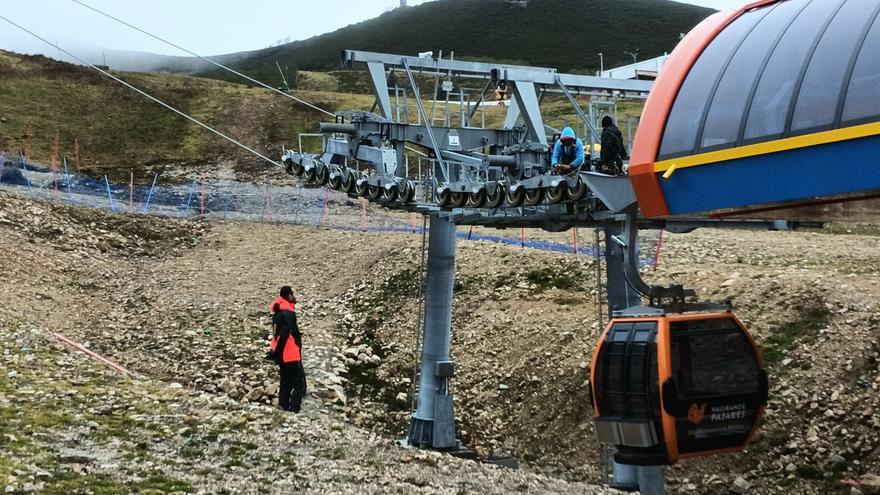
207	27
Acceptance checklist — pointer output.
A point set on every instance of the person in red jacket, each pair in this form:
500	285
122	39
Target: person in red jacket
286	350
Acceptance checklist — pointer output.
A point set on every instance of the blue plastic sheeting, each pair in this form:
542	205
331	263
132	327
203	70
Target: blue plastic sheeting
300	206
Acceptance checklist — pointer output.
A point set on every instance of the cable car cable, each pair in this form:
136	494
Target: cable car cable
215	63
145	94
224	67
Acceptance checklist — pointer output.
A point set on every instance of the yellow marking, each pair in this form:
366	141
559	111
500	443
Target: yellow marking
669	171
769	147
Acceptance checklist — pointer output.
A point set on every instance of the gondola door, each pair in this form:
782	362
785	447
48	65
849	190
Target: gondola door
714	388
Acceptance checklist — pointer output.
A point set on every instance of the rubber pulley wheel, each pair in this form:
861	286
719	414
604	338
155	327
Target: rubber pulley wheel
362	188
335	181
444	198
349	182
515	197
558	193
374	192
477	199
389	195
495	198
577	192
459	199
322	174
409	192
534	197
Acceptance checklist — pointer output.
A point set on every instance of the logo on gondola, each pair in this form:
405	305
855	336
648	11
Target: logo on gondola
696	413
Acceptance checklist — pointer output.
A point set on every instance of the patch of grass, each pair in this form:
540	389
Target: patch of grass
553	278
191	452
808	472
568	301
784	339
118	129
401	284
336	453
98	484
48	419
6	466
116	426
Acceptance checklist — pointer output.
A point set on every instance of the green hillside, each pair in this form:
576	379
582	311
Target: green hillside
565	34
120	131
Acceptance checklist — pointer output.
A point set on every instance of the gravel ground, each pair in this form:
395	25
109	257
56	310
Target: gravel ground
182	304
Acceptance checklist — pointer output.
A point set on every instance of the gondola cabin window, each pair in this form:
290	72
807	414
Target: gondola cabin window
716	379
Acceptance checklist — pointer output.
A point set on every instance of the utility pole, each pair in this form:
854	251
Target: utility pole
403	3
634	55
601	64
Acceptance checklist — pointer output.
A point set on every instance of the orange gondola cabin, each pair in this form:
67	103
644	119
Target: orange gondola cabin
674	386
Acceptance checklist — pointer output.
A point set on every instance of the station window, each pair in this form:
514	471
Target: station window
863	95
773	98
682	127
818	99
724	120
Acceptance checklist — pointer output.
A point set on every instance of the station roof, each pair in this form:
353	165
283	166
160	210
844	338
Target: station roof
772	70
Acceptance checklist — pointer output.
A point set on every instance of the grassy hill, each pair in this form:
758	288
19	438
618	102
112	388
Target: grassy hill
565	34
119	130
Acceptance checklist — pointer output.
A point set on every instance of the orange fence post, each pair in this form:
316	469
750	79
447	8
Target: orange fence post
574	239
76	154
657	253
92	354
27	143
364	214
202	197
325	208
56	150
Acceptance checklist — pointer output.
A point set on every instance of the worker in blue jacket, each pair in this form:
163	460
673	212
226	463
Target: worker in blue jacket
568	153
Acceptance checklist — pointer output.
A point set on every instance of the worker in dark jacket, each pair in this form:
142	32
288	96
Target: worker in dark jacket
613	150
286	350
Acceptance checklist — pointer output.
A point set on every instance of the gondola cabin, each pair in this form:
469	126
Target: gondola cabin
676	386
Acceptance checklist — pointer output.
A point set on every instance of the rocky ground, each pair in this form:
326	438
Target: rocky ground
183	305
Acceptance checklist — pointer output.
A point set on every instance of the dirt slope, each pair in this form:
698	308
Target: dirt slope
184	303
121	131
183	306
525	327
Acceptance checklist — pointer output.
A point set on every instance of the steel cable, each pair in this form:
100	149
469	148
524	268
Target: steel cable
145	94
215	63
224	67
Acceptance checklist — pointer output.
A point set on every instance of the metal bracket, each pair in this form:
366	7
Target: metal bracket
656	294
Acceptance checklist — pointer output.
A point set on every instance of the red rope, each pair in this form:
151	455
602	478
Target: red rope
202	198
364	214
92	354
325	207
657	254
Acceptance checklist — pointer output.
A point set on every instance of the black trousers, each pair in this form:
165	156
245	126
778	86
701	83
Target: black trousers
293	386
